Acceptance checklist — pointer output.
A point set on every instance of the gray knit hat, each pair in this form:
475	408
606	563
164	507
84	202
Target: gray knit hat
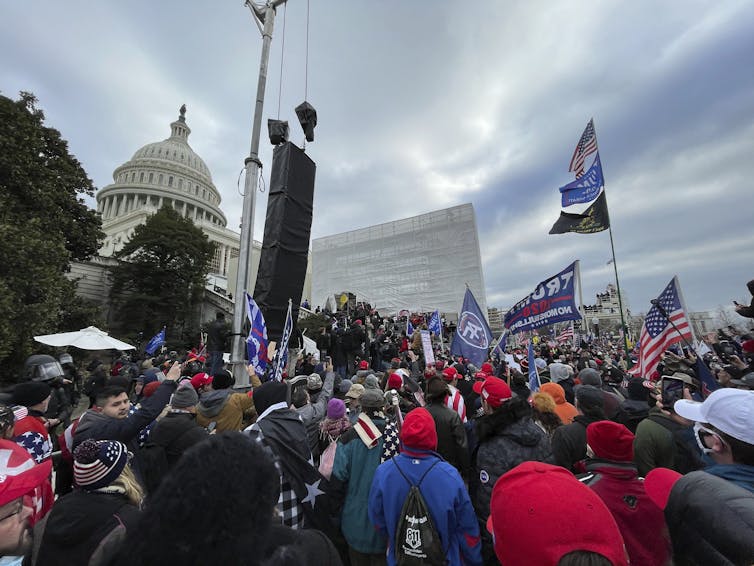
589	376
184	397
372	399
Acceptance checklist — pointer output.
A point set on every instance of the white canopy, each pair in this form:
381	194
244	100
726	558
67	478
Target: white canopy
90	338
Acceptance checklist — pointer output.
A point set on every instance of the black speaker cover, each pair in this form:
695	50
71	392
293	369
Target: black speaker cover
285	248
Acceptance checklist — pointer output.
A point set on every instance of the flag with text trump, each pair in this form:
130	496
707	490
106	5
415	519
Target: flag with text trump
658	334
256	342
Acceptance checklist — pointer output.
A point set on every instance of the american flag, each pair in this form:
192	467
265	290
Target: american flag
38	447
256	342
586	146
566	335
658	334
281	356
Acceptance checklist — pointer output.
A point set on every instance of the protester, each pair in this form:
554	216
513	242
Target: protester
441	487
507	436
197	516
563	408
452	443
569	441
711	520
454	400
353	399
359	452
724	430
217	337
222	406
31	432
636	405
543	413
743	310
89	525
612	475
611	403
542	515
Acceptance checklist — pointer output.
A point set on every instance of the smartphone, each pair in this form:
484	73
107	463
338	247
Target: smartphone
211	426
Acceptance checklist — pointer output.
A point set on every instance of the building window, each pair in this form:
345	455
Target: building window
180	183
133	176
141	177
151	177
159	179
170	181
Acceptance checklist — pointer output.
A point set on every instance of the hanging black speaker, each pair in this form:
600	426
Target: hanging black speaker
287	229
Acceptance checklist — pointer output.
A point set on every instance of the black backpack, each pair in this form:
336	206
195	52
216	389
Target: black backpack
416	538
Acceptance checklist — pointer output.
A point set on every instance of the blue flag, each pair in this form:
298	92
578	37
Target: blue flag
256	342
473	335
435	324
584	189
709	383
281	356
533	374
409	327
156	341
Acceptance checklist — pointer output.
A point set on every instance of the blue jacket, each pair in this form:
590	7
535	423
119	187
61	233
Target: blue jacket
355	465
446	496
739	474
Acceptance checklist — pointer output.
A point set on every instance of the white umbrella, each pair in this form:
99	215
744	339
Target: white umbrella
89	338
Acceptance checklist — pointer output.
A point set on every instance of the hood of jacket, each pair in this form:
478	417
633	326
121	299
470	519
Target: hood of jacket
79	516
90	419
555	391
522	430
617	470
213	402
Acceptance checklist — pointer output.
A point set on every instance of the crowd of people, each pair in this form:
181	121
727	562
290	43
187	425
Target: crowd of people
365	454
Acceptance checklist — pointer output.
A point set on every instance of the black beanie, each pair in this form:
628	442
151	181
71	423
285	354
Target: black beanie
268	394
223	379
30	393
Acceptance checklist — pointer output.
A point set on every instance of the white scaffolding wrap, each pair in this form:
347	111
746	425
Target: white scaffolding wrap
421	263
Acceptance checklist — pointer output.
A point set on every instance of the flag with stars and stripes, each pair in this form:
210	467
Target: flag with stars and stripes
658	334
36	444
566	335
281	356
256	342
586	146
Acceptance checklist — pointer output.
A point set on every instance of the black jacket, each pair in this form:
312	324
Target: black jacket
452	443
177	432
81	523
217	336
711	521
569	442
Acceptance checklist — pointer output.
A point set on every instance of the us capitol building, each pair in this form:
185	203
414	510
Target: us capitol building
169	173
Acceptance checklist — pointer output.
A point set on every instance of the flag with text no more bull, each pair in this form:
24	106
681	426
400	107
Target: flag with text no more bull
473	335
553	300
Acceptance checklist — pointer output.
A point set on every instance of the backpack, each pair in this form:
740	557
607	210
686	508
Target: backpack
685	459
328	458
416	538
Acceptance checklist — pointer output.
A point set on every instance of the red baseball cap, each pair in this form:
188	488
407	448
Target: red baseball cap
493	390
200	379
487	368
395	381
363	364
449	374
540	512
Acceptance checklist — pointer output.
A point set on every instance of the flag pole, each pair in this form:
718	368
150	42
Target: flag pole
615	263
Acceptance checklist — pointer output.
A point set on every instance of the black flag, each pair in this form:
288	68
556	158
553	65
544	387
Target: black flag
594	219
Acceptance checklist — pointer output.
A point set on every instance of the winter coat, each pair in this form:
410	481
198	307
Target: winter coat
640	521
355	464
711	522
569	442
96	426
305	547
217	335
86	528
500	449
177	432
313	413
445	495
225	408
658	442
452	443
563	408
635	411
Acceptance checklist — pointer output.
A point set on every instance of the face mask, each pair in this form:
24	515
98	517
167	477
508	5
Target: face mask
700	430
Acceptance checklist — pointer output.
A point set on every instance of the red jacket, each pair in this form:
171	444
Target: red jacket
641	522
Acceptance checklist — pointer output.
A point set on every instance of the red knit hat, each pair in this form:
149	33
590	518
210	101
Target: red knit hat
449	374
487	368
395	381
659	483
419	431
493	390
363	364
540	512
610	441
149	389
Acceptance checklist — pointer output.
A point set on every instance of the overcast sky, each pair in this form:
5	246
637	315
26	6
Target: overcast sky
425	104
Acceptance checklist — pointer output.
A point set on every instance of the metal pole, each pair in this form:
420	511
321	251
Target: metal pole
252	165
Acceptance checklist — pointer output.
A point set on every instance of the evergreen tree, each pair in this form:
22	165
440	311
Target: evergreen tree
162	273
44	224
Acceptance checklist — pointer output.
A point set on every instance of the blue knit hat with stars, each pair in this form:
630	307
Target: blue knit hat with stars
97	463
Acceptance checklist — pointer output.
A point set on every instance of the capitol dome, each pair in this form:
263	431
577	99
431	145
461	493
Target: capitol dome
170	173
